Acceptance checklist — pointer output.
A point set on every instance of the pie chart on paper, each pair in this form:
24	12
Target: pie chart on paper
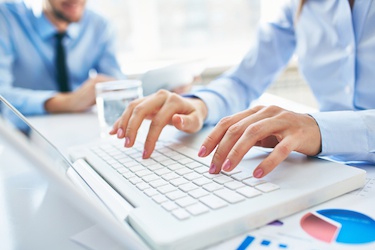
339	225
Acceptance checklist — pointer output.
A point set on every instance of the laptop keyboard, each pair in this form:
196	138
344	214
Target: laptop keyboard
179	183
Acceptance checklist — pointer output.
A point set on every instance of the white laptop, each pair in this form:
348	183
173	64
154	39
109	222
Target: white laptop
170	201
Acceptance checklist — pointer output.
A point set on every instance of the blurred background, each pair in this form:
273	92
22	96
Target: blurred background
157	33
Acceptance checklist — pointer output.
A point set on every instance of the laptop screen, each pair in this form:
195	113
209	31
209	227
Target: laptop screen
42	154
15	121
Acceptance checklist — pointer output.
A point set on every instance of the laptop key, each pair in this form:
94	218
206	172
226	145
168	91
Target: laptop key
176	195
157	183
267	187
181	214
193	165
175	166
128	175
134	180
166	188
242	176
159	198
143	185
234	171
169	205
150	192
201	181
221	179
150	177
188	187
156	166
253	182
186	201
212	186
201	169
197	209
213	202
192	176
162	171
170	176
183	171
197	193
143	172
229	195
179	181
234	185
249	192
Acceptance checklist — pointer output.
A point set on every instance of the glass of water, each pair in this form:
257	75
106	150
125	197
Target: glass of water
112	98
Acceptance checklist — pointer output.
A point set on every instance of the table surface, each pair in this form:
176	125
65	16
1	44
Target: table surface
32	215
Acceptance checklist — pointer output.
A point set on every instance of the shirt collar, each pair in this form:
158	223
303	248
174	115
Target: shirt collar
46	29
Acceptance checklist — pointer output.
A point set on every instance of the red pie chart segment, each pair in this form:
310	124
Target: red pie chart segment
318	228
339	225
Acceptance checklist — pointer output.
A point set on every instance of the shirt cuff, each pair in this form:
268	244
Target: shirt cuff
213	104
342	132
35	105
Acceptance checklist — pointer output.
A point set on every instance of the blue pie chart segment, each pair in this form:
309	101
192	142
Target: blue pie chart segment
356	228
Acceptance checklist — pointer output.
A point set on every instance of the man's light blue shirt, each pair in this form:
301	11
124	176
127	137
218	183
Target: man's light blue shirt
335	47
27	45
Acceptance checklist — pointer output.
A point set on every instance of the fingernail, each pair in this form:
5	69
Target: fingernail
182	121
258	173
144	154
202	151
120	133
226	165
127	141
212	169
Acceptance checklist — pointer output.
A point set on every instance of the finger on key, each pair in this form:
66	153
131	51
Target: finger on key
229	140
141	111
249	138
118	126
174	105
279	154
216	135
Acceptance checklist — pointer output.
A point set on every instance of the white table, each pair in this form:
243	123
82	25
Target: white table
32	216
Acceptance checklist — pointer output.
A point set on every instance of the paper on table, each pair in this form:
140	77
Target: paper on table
288	234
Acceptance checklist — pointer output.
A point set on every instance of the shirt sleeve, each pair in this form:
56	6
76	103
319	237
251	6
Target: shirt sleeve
28	102
236	89
107	62
347	136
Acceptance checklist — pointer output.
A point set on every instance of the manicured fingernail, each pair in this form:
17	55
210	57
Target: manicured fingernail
202	151
226	165
127	141
212	169
120	133
144	154
258	173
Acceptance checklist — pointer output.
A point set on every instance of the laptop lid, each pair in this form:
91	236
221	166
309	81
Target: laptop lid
16	132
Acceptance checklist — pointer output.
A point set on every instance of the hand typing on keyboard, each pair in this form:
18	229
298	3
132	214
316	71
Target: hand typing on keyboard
234	136
162	108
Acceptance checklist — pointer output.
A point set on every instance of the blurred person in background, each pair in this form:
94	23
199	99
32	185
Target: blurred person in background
53	54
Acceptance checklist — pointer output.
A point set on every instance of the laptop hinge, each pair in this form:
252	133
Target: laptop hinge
88	179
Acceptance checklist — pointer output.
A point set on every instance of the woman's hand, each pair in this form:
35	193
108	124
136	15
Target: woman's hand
162	108
270	127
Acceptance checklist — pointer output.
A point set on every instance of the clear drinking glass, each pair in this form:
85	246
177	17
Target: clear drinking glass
112	98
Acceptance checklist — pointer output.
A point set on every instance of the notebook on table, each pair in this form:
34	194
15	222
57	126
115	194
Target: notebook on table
170	201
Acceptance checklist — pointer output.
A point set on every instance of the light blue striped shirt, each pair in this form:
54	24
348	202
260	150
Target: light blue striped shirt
336	52
27	44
